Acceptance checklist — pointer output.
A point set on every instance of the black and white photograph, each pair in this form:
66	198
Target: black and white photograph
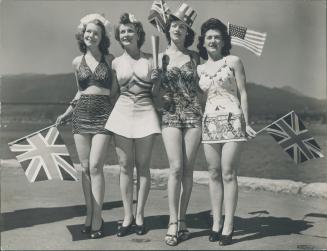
163	125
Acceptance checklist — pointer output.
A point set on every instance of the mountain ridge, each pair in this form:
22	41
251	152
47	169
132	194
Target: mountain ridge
264	102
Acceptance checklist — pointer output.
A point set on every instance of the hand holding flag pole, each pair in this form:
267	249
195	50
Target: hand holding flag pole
155	50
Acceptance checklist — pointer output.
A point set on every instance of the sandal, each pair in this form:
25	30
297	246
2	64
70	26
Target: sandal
183	234
171	239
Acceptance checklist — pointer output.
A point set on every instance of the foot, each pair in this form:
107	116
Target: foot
171	236
183	233
125	228
215	235
140	229
226	239
96	234
86	229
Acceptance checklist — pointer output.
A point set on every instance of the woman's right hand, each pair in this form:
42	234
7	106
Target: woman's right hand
156	74
61	120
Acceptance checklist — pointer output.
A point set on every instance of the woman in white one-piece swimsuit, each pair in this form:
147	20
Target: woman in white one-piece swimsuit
133	120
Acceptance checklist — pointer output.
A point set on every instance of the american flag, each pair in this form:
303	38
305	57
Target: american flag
159	14
44	156
249	39
294	138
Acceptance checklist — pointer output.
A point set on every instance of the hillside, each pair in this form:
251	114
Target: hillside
39	94
30	88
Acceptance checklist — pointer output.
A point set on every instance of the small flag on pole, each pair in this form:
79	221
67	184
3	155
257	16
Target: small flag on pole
44	156
294	138
159	14
249	39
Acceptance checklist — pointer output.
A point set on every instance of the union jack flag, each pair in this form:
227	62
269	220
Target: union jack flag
249	39
294	138
159	14
45	156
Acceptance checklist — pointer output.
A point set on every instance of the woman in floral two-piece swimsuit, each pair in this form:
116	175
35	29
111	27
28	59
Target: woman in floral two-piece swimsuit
225	123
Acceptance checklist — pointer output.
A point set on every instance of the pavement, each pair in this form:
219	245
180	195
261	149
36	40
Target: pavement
48	215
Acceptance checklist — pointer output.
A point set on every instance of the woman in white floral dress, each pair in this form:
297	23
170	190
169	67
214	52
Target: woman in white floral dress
225	123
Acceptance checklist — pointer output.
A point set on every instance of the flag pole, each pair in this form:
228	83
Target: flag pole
272	123
164	13
13	142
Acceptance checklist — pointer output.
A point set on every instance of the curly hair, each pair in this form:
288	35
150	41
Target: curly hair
124	19
214	24
189	39
104	43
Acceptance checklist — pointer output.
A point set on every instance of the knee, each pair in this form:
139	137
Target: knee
214	172
126	169
95	167
229	176
176	170
85	168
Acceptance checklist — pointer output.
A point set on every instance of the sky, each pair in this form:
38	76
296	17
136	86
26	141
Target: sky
37	36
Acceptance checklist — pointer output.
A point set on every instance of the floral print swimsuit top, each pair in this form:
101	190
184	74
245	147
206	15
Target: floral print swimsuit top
180	84
221	88
100	77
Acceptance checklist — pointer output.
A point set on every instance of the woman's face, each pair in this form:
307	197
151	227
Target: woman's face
177	31
213	41
128	35
92	35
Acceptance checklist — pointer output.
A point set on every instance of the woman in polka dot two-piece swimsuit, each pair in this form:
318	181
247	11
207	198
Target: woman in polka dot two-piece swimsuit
225	123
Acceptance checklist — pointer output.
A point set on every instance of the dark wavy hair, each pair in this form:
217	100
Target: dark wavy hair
214	24
189	39
104	43
124	19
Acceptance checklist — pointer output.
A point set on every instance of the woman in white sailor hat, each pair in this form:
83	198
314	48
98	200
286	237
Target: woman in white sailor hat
90	110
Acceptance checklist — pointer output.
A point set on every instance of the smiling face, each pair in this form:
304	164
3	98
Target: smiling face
128	35
213	41
177	31
92	35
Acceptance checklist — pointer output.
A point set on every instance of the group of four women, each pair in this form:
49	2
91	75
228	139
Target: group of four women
133	120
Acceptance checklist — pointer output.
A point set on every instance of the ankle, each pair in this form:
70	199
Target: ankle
172	228
227	230
128	220
139	219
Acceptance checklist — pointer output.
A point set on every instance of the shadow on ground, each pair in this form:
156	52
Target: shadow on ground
251	228
43	215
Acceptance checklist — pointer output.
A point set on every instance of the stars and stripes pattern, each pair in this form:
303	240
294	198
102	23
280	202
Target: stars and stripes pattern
159	14
249	39
44	156
294	138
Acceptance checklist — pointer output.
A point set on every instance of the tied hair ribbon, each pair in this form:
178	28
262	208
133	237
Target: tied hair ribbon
91	17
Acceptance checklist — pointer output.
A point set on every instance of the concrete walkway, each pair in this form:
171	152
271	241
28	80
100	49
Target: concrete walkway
49	215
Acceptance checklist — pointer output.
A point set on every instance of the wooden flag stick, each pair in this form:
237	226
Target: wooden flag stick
13	142
261	130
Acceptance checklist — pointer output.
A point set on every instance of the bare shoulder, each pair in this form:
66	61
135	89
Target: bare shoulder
234	60
76	61
194	55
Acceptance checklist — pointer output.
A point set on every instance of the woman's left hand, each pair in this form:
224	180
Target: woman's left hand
250	133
